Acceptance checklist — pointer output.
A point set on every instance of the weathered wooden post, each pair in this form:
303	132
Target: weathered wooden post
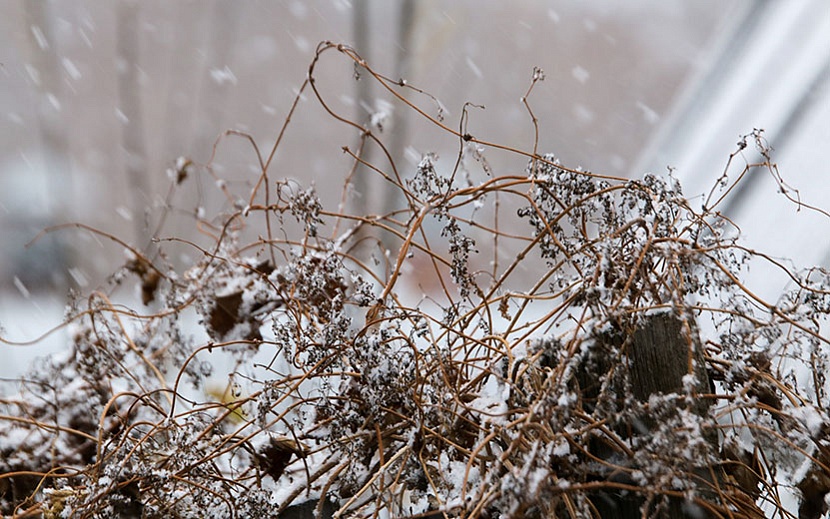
657	354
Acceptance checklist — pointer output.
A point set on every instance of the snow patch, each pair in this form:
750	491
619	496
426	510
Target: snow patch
21	288
650	116
554	16
54	101
71	69
580	74
121	116
40	38
476	70
223	75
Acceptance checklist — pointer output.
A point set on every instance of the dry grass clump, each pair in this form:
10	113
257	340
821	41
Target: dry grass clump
526	384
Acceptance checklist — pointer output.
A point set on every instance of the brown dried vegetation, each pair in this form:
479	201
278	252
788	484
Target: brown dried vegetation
526	385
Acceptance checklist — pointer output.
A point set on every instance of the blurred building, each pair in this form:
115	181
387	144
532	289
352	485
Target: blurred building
769	69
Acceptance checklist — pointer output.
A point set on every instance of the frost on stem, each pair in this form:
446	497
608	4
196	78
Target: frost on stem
304	205
427	181
460	247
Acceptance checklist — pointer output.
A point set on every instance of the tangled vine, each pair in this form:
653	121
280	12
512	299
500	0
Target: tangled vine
518	387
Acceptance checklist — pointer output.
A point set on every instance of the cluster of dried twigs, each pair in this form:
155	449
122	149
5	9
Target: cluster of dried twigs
586	349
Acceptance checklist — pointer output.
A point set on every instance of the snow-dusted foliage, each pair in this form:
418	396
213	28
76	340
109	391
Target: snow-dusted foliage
583	347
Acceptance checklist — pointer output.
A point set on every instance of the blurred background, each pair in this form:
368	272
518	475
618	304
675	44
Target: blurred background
99	100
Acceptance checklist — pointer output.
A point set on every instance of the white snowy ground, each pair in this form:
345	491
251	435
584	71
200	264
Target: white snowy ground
25	319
